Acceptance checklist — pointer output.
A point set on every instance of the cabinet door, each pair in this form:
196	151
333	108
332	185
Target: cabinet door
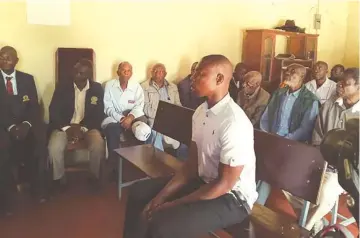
311	47
296	46
66	58
267	56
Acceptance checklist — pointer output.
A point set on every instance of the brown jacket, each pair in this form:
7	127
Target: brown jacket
253	105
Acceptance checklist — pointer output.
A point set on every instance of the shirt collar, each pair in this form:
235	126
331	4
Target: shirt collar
354	108
87	86
6	75
294	94
152	83
325	84
130	85
218	107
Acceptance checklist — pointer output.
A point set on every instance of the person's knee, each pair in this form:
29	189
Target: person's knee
96	142
113	129
57	143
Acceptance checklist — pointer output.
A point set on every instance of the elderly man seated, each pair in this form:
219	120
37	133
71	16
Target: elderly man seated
124	104
252	98
321	86
155	89
76	112
292	110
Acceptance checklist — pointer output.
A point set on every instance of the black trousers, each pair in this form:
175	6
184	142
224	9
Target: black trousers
29	157
183	221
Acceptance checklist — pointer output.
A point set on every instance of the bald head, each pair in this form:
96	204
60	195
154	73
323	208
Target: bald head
124	71
8	59
254	77
252	81
212	77
9	50
294	76
158	74
219	64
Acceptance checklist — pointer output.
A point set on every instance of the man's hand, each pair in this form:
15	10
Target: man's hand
127	121
14	132
23	130
74	133
151	207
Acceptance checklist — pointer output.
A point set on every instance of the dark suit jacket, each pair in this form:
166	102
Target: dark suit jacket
62	106
233	90
188	98
24	107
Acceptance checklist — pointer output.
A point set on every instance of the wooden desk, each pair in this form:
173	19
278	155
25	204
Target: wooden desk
142	162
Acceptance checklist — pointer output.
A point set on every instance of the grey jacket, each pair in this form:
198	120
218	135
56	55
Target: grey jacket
152	97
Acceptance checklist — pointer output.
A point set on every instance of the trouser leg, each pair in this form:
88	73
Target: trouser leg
96	146
57	146
112	133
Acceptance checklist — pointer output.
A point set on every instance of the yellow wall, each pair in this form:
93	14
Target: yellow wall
352	39
173	32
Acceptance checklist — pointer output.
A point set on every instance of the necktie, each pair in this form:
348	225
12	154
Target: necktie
9	86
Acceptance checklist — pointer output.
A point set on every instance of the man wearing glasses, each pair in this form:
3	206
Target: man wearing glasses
252	98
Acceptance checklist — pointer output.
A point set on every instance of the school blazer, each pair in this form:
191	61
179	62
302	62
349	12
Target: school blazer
23	107
62	106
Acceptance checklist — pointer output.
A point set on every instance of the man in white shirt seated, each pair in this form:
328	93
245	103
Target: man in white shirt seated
216	186
123	103
321	86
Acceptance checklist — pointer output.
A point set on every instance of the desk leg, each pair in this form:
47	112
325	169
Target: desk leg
120	185
264	190
304	214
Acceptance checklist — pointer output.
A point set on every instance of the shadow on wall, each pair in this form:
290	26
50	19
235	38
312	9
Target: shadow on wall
184	69
46	97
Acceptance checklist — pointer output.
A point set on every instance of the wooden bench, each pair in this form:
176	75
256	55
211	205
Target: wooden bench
289	165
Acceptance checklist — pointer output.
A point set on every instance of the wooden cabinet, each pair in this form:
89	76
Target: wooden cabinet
66	58
261	47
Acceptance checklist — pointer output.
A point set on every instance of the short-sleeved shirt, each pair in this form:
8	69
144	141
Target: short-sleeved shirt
324	92
224	134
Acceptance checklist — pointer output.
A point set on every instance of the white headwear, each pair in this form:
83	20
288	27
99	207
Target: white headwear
173	143
141	130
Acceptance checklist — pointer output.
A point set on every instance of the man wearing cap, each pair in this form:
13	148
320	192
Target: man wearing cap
123	104
155	89
216	186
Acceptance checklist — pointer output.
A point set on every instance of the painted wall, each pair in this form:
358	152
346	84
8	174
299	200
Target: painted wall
173	32
352	40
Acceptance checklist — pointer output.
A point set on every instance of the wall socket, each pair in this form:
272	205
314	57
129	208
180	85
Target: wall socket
317	21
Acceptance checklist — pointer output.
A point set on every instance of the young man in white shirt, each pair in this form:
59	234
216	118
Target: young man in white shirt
123	103
321	86
216	186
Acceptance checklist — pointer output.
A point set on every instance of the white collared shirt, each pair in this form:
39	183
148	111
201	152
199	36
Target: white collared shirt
118	102
224	134
79	103
13	80
325	92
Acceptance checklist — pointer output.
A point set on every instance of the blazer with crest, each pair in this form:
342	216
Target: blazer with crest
62	106
22	107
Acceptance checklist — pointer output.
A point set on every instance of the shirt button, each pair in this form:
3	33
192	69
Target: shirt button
203	123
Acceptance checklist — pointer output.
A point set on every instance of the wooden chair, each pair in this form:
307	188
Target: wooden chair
291	166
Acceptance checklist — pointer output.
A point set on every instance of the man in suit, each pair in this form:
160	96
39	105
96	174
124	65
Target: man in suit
187	97
76	112
252	98
237	80
22	130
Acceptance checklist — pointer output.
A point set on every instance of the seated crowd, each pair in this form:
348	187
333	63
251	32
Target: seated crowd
229	103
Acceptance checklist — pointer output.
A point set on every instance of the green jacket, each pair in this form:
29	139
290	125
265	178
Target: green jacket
304	102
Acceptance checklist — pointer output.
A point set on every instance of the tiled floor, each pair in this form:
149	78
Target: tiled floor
79	213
